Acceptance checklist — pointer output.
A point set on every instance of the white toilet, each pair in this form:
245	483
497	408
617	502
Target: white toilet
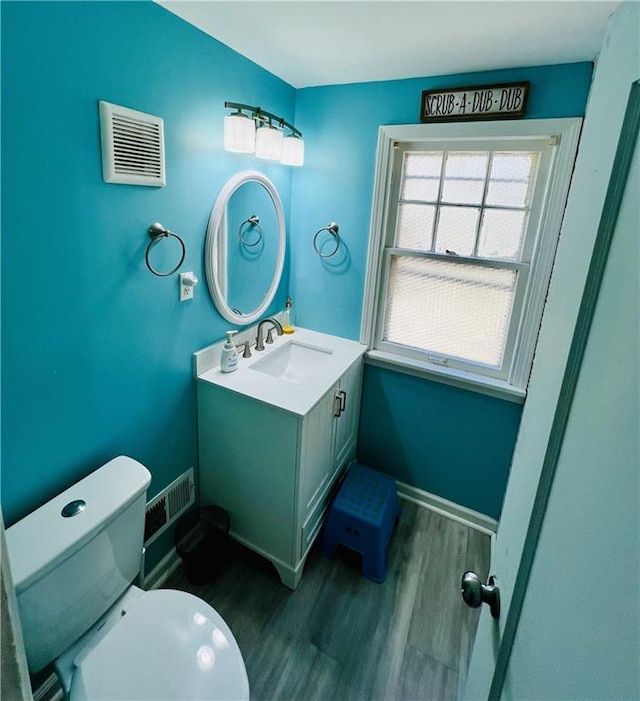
73	561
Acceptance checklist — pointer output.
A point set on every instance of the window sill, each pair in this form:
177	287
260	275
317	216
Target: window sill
447	376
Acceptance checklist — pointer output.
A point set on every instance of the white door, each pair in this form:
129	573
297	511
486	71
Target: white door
570	644
558	640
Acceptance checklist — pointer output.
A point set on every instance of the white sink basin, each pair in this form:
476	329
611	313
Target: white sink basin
294	361
292	374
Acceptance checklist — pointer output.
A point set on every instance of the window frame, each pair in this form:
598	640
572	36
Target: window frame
510	383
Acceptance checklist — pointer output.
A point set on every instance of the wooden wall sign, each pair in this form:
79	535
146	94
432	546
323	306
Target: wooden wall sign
503	101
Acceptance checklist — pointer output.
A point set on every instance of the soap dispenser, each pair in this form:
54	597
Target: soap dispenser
287	317
229	355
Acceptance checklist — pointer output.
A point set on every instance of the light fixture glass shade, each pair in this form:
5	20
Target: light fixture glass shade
269	143
292	151
239	133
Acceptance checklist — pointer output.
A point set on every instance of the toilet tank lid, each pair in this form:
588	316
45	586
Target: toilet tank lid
41	540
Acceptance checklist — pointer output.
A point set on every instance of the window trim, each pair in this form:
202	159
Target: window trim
527	273
567	131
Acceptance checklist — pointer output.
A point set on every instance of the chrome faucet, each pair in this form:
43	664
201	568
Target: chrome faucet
276	325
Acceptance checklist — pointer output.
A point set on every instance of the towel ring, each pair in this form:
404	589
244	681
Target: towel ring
253	220
333	229
156	232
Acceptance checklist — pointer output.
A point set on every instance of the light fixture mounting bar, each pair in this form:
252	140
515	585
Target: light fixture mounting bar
264	116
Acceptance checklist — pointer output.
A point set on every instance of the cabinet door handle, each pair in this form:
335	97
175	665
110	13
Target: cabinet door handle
337	405
343	400
341	396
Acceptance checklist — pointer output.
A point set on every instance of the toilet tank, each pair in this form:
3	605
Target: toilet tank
68	570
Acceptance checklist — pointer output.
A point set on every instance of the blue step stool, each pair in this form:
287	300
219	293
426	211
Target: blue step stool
362	517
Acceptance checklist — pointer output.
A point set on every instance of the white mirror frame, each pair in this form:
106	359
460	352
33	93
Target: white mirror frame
213	245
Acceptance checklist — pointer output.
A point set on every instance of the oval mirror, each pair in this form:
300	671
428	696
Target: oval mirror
244	247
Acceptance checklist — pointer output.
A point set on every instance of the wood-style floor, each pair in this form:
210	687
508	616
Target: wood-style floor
340	636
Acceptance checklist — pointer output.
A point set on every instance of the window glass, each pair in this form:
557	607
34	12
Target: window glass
457	228
421	176
449	309
511	179
464	177
501	233
415	226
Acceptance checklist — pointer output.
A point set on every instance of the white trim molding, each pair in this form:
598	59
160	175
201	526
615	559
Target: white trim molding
446	376
564	135
444	507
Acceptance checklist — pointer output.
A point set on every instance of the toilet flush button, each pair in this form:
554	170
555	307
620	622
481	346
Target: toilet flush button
73	508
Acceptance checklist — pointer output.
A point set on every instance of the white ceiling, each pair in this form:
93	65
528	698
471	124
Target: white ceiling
311	42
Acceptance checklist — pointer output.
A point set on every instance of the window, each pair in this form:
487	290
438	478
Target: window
465	225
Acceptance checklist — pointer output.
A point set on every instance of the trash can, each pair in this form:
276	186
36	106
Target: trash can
201	538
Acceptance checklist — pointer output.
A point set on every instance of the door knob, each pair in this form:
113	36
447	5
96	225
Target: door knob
475	593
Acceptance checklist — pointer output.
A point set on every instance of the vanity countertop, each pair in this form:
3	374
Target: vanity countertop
295	395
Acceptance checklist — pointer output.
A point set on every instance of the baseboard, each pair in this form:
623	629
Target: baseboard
162	571
461	514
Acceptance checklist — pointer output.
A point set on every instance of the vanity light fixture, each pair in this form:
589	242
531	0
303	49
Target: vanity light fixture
269	142
292	151
263	134
239	133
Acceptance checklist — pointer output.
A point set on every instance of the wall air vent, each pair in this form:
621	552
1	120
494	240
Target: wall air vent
132	146
167	506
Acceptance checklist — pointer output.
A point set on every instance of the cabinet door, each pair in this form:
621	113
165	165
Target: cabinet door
316	465
349	390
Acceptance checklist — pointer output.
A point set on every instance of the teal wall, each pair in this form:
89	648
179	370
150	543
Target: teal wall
340	125
450	442
96	351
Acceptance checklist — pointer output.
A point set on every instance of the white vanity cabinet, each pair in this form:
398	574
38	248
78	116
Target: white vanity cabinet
274	469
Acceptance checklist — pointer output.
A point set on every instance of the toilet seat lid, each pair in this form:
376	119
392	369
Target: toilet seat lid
168	645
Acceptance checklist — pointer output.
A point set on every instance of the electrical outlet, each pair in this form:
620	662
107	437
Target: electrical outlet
187	283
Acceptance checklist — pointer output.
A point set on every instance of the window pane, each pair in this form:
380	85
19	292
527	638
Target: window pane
511	179
501	233
450	309
415	226
457	228
421	177
464	177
